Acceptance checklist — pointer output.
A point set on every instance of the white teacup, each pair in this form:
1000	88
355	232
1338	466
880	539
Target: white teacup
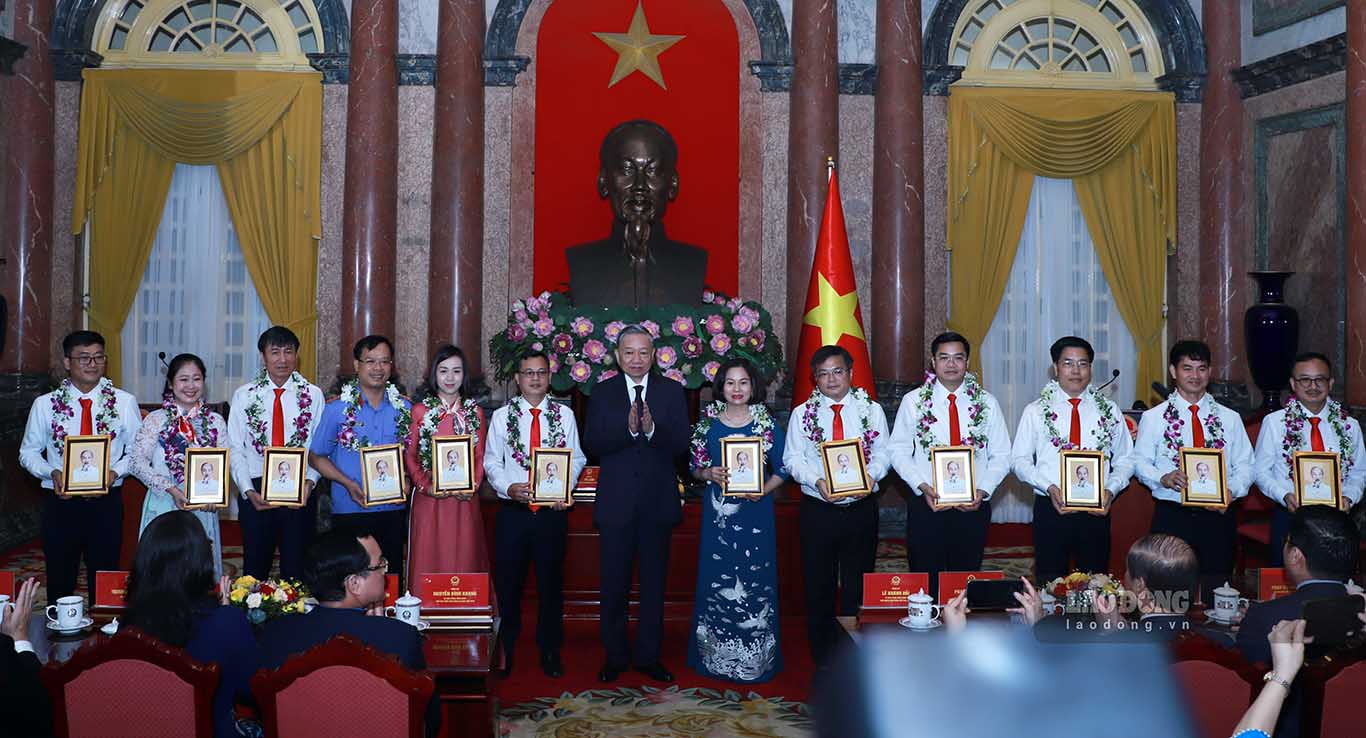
70	610
407	608
921	610
1227	603
1049	603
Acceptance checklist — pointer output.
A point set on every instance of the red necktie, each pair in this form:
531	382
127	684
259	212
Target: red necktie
88	425
1197	430
1074	437
837	425
955	436
1315	438
277	420
535	436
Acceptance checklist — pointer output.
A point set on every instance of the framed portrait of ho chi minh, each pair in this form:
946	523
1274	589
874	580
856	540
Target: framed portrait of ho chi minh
1318	477
382	475
955	480
743	457
283	476
206	478
1082	477
550	481
85	466
846	472
1206	478
452	465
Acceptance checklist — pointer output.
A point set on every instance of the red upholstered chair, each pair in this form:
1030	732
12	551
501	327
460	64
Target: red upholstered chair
342	688
1218	683
1333	687
131	685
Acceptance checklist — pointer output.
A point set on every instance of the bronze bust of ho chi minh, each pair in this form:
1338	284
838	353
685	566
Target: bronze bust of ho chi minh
637	265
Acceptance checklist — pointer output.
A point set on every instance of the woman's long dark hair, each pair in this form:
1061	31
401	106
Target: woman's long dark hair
175	365
172	578
443	352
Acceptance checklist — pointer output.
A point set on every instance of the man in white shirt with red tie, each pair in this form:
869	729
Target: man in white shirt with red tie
1310	421
278	408
1190	418
1070	415
950	409
85	403
839	536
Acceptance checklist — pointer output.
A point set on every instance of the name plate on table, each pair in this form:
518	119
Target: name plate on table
453	591
111	590
882	589
1271	584
7	583
587	488
952	583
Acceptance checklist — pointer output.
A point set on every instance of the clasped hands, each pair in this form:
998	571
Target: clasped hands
639	420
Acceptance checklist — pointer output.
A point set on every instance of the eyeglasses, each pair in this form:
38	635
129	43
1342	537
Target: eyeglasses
1313	381
383	565
831	373
1075	363
89	360
372	363
534	373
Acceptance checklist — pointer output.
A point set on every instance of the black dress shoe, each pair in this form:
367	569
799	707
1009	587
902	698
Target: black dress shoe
550	664
609	673
656	671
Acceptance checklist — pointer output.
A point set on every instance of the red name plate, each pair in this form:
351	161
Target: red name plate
891	590
7	583
111	589
454	590
390	589
1271	584
588	480
952	583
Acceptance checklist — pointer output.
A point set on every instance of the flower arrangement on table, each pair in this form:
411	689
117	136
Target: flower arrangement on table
1078	590
269	599
691	341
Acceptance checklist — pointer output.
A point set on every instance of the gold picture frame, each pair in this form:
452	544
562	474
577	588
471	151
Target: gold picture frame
382	475
282	475
955	477
550	482
206	478
743	457
1318	477
85	466
1206	478
1082	479
452	479
839	459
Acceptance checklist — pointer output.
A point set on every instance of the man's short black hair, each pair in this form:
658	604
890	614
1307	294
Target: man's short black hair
1312	356
1328	539
277	335
825	353
76	339
1193	350
333	557
1166	564
950	337
369	343
533	355
1067	342
670	147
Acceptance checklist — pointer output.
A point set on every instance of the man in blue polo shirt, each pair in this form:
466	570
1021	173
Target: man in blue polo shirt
369	412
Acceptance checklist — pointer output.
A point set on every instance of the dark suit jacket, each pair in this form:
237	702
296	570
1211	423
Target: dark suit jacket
638	478
223	636
1263	616
24	707
601	274
294	634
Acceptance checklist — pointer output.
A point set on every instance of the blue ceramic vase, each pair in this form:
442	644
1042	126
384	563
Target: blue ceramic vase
1272	331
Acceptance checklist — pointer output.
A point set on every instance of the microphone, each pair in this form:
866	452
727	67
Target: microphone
1161	390
1113	376
161	356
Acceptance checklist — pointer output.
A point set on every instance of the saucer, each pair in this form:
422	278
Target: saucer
1209	615
422	625
906	623
86	622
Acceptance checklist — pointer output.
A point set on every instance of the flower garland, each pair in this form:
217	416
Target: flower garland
436	412
977	413
174	443
352	396
763	425
519	451
256	412
1295	418
1104	426
1214	430
106	412
816	433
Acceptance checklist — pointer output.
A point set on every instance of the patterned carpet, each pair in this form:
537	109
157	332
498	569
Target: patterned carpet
1015	561
648	712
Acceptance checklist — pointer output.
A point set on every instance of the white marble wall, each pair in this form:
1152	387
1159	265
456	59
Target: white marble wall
1281	40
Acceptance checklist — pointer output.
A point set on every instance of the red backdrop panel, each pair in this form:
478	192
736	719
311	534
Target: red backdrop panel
575	109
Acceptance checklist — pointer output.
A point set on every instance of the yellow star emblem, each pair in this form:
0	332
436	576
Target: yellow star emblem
637	49
834	313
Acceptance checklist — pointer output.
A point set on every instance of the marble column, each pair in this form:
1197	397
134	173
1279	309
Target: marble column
813	134
898	329
457	246
369	225
1223	270
1356	203
26	211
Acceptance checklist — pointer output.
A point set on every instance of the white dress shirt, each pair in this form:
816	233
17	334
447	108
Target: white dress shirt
502	470
990	464
1034	458
1153	460
802	457
41	454
245	460
1273	475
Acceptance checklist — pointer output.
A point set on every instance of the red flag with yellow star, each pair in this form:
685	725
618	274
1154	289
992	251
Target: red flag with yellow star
832	314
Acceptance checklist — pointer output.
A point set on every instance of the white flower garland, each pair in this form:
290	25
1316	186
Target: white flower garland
1105	425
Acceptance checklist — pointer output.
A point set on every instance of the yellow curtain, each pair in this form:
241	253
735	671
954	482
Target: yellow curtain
262	129
1119	148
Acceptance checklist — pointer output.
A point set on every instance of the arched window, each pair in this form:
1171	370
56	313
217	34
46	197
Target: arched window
1056	43
254	34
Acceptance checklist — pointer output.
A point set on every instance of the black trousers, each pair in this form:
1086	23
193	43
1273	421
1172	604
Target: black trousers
81	527
263	531
1080	538
389	528
523	538
1211	533
839	546
623	548
947	540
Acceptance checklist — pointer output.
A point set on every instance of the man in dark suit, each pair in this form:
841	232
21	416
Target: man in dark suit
637	426
24	708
